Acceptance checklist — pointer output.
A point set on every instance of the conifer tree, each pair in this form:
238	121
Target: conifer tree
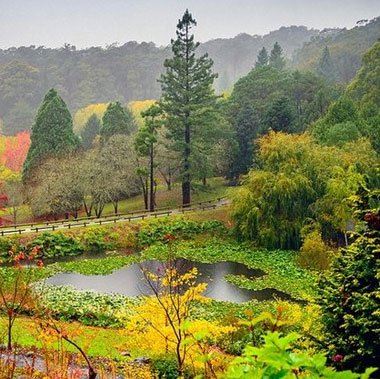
262	58
188	99
276	58
90	131
52	133
116	120
326	66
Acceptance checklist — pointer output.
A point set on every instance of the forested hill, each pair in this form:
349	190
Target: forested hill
346	48
130	72
127	72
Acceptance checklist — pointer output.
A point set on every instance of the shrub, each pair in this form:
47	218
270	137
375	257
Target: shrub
57	245
156	230
314	253
275	359
95	239
5	247
165	367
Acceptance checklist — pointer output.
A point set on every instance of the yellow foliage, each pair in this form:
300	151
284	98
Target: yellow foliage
156	323
83	114
8	175
314	253
137	107
138	372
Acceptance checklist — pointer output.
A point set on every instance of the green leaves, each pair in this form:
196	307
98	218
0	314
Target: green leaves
349	296
275	359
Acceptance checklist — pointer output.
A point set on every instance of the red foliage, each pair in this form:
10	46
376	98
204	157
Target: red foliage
15	151
3	200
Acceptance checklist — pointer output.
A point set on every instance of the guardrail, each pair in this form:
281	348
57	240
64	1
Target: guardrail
84	222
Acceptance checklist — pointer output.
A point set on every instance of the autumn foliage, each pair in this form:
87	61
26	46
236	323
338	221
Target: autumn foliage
14	151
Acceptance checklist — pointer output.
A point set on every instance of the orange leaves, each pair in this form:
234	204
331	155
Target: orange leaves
15	151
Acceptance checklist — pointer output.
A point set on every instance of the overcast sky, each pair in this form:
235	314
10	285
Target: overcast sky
86	23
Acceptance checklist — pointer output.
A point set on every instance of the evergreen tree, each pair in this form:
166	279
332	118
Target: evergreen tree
52	133
116	120
276	58
349	294
188	99
326	66
280	115
262	58
90	131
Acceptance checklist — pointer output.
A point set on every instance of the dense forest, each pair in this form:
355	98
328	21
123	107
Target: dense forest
130	72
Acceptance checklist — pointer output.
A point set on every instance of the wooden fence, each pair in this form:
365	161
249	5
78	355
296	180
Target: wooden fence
107	219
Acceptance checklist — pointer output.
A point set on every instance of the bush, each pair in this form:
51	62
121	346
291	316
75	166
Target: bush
156	230
5	247
350	299
165	367
275	359
57	245
95	239
314	253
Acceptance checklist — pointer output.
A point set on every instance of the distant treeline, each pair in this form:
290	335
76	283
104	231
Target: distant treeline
130	72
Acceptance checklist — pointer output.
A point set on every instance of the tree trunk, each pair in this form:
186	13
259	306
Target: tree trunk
115	206
99	210
151	173
186	185
169	181
10	324
87	209
14	215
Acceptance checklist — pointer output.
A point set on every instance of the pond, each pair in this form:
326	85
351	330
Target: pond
130	281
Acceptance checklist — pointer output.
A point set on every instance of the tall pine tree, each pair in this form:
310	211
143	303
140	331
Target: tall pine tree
276	59
188	99
52	133
262	58
326	66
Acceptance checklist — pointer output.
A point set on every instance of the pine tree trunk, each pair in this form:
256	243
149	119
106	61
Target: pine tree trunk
186	185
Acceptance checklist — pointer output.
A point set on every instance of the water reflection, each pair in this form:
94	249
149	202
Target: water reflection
130	281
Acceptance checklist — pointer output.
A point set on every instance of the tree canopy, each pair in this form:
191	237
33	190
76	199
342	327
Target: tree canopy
52	132
116	120
299	182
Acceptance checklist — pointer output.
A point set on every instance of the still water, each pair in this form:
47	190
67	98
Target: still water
130	281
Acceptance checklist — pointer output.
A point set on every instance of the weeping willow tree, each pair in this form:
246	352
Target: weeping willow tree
299	183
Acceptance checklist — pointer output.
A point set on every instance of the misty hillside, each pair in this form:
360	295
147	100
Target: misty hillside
127	72
346	48
130	72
